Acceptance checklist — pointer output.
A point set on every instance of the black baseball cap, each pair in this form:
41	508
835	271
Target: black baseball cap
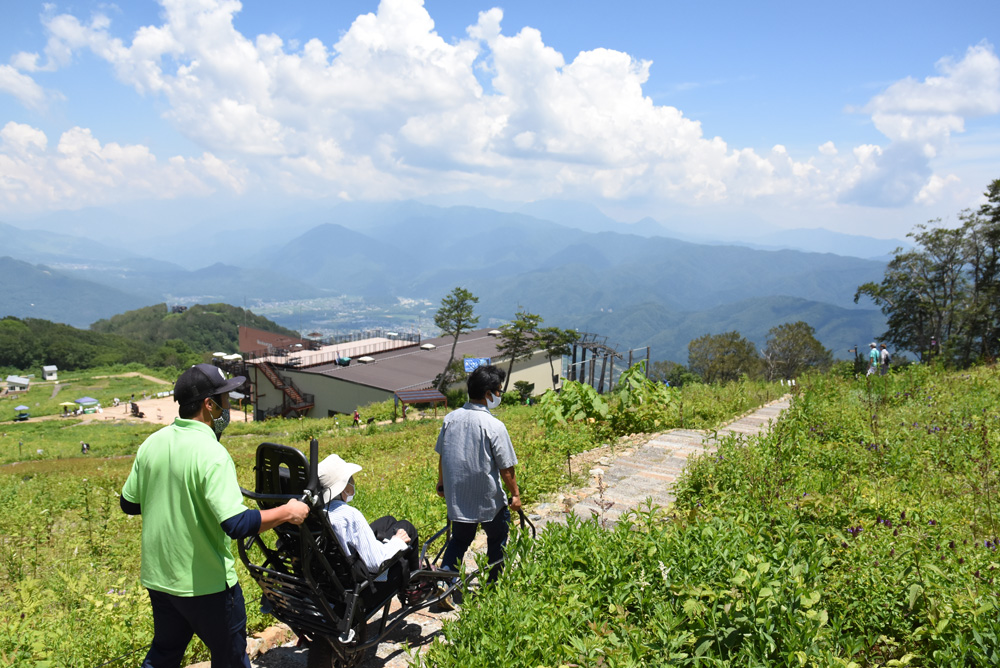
201	381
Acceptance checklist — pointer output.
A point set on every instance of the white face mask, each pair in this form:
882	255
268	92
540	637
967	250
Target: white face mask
493	401
220	423
349	497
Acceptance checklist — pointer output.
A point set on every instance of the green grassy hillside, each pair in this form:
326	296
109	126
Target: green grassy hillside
69	558
203	327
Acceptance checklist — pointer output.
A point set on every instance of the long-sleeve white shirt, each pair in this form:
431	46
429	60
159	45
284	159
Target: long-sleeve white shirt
352	531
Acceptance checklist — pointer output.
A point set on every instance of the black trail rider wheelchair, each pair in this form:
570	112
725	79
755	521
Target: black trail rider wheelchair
328	597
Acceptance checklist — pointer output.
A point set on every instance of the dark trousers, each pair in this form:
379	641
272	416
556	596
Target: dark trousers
462	534
386	527
220	620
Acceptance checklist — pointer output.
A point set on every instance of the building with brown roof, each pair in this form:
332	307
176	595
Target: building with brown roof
329	387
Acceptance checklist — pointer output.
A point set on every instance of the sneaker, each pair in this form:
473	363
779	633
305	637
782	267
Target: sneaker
452	601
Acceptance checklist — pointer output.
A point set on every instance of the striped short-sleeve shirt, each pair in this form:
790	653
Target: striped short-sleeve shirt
474	447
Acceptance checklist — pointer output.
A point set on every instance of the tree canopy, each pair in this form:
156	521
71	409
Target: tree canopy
791	349
943	296
674	373
557	343
517	340
151	336
722	357
456	315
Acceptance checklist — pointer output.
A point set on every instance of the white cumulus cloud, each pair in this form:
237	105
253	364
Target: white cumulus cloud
391	109
919	118
81	171
22	87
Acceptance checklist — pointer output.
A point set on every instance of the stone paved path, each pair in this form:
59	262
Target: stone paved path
649	470
630	476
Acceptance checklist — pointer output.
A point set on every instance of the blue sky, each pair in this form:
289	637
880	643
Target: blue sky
859	117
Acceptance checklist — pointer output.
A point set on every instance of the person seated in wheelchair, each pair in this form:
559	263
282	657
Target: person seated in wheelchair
372	544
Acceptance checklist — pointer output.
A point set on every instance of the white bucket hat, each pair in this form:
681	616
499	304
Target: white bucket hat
334	474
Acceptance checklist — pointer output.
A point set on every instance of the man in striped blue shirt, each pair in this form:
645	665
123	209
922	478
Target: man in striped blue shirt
475	455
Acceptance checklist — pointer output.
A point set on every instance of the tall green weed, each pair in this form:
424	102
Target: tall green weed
860	531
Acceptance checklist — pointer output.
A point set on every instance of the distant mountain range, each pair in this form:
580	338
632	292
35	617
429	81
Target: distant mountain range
35	291
628	282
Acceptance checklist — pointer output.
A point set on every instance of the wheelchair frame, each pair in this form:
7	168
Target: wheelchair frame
308	580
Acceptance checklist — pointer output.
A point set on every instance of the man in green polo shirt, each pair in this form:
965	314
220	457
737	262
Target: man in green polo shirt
183	483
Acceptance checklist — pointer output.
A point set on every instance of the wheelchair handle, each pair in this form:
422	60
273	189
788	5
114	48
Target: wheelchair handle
306	497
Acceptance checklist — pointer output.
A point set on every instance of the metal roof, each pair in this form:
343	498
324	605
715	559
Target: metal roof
420	396
411	368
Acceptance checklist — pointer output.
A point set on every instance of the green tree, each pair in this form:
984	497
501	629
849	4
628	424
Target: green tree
557	343
455	316
791	349
676	374
177	354
524	390
18	347
517	340
944	294
722	357
453	375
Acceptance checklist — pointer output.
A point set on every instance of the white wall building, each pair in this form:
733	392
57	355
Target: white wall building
325	389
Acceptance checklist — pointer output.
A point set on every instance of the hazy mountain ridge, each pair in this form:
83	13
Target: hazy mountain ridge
510	259
40	292
668	332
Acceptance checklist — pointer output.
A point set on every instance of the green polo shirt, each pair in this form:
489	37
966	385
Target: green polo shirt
185	481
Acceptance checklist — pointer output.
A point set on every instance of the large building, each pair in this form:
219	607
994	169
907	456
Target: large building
337	379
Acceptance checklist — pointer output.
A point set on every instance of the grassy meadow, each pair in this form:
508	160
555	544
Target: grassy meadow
69	559
122	381
862	531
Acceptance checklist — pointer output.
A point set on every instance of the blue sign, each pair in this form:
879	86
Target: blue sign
473	363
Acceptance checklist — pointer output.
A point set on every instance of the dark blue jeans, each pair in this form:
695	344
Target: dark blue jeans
220	620
462	534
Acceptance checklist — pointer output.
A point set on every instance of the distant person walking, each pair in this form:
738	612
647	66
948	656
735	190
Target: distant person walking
884	360
357	418
872	359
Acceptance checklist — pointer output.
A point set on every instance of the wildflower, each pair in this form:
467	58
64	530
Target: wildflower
961	560
951	544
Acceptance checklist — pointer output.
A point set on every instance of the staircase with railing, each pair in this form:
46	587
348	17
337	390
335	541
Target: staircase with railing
294	401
